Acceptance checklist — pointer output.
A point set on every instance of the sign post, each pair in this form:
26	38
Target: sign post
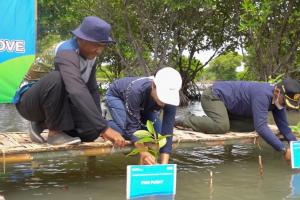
151	180
295	154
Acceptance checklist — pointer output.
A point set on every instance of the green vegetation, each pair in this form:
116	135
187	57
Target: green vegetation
151	140
224	67
296	129
151	34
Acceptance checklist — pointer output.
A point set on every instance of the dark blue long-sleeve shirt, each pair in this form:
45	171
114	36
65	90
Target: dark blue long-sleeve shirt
254	99
135	92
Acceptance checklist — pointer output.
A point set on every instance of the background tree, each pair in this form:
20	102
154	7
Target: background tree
151	34
272	36
224	66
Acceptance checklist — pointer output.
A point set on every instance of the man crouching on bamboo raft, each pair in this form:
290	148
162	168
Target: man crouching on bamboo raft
66	101
242	106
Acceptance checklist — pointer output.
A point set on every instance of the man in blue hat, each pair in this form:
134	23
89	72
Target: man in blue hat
66	101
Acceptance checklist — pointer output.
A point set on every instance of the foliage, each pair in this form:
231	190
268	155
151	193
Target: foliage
271	33
224	66
151	34
296	129
246	75
156	141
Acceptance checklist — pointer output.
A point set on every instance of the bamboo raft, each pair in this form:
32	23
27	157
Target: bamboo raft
16	147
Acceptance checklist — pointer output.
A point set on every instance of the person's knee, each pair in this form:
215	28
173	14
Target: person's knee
222	128
55	83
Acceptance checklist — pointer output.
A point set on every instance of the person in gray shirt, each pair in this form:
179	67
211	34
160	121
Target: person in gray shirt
66	101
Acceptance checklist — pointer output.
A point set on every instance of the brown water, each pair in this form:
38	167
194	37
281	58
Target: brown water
235	171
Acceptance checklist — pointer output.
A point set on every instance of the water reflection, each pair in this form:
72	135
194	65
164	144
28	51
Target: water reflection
158	197
218	173
225	173
295	186
10	120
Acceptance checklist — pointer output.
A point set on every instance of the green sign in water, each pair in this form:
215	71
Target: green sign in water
17	44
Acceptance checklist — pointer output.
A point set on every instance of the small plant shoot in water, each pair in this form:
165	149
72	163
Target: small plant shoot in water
151	140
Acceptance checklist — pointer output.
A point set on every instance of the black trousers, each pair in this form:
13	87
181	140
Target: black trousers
47	101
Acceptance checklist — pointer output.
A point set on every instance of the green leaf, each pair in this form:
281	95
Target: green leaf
142	134
150	127
163	136
145	139
162	142
153	152
134	152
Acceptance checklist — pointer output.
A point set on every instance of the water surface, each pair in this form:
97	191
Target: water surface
235	172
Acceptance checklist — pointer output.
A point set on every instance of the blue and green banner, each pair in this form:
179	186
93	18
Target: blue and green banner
17	44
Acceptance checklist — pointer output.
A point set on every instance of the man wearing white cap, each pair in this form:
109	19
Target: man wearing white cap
134	100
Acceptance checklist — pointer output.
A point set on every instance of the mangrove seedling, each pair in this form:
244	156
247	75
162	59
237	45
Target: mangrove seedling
151	141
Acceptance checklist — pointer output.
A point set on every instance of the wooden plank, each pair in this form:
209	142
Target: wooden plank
17	147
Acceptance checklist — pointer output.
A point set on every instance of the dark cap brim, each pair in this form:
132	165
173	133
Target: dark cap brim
83	36
292	104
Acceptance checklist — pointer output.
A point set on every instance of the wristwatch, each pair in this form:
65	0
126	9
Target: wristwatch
283	150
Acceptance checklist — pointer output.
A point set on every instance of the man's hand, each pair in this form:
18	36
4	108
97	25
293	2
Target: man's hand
146	158
114	136
287	155
164	158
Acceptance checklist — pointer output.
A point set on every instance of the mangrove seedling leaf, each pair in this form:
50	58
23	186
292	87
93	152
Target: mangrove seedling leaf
142	134
150	128
134	152
162	142
145	139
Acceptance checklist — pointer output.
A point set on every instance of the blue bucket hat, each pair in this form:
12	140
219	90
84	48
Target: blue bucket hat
94	29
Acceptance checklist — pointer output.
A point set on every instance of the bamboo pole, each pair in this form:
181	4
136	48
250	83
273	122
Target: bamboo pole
211	189
3	160
261	167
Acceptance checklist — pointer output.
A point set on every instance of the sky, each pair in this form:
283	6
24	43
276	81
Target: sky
205	55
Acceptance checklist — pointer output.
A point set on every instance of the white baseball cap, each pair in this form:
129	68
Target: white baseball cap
168	83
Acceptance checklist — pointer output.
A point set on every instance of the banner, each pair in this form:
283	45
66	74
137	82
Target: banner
17	44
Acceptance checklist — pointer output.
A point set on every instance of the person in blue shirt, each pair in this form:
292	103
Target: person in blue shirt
243	106
132	101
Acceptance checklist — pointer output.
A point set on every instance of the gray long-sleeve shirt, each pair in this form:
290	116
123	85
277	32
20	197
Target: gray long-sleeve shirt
79	78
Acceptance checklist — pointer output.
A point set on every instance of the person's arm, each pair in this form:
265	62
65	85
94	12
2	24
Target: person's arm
94	89
260	105
113	136
169	113
281	121
67	63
